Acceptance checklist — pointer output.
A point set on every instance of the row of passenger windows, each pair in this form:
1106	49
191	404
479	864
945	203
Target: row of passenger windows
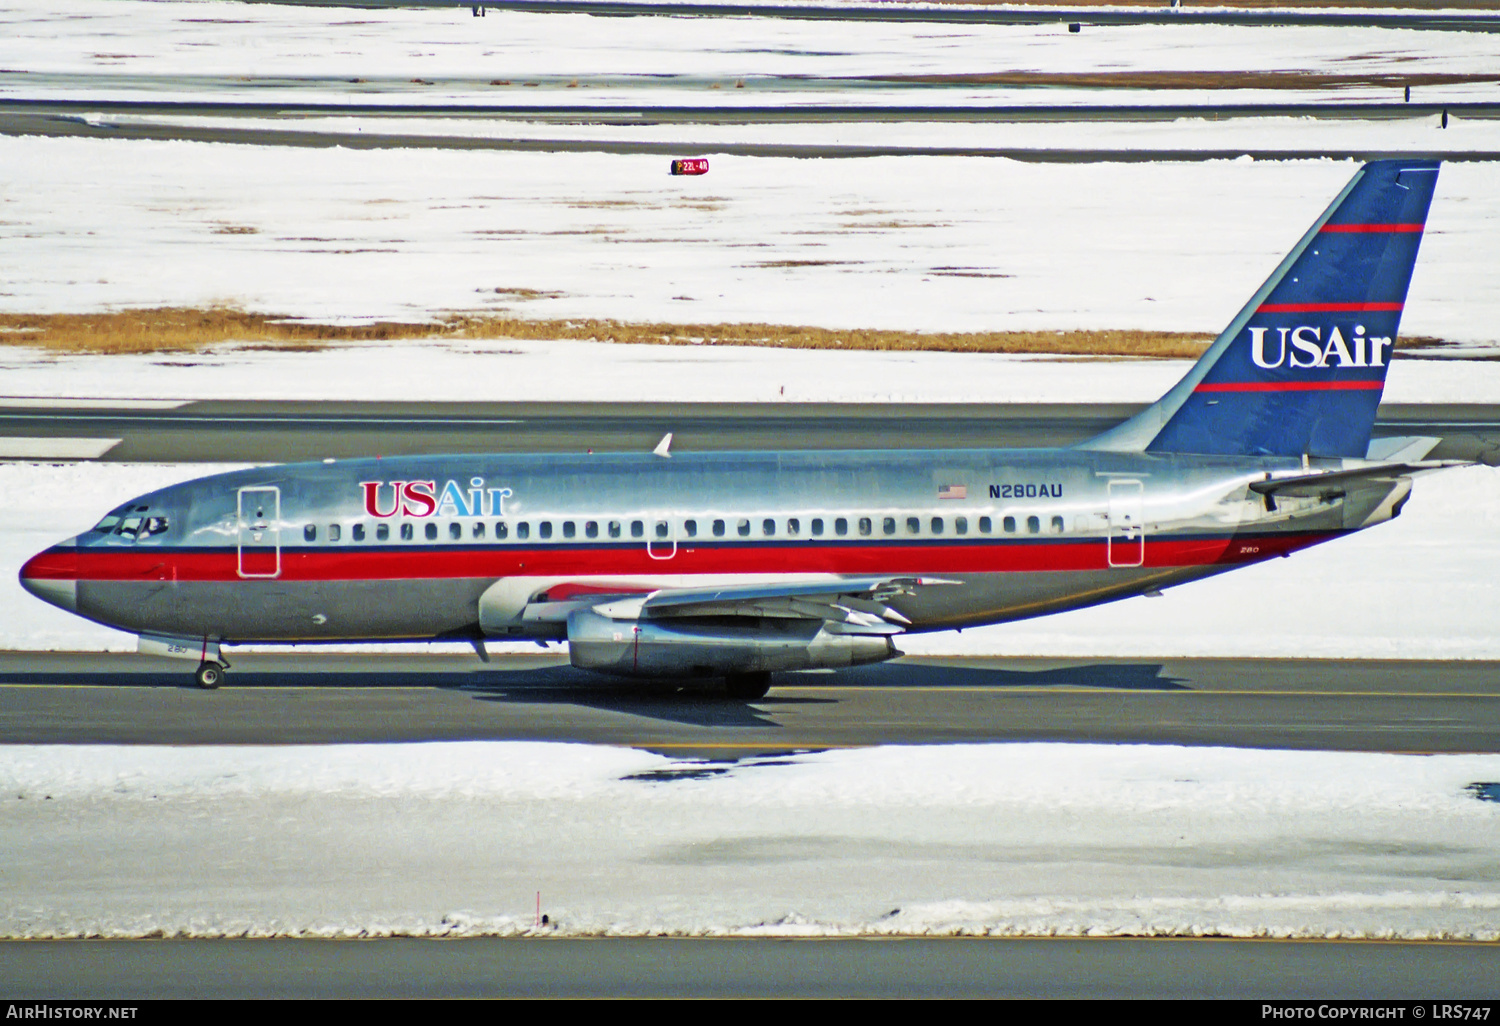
744	527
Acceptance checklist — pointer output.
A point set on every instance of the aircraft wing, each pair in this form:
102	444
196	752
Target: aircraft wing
852	605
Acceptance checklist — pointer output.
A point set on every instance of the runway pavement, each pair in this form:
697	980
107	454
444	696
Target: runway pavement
68	126
252	431
674	967
635	114
325	697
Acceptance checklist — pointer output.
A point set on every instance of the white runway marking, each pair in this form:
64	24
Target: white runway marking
12	448
26	402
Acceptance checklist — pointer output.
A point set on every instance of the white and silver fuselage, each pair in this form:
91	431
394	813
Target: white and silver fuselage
507	546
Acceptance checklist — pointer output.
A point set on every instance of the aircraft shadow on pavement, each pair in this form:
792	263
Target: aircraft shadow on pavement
696	703
699	704
1146	676
564	679
704	704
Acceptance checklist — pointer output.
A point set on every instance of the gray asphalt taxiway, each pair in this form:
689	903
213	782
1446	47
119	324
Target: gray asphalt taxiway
330	697
723	114
68	125
1057	967
222	431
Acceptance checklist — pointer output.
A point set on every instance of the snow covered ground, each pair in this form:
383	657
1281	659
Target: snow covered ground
888	242
898	242
457	838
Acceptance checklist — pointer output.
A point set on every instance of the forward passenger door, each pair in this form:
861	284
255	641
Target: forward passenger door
259	516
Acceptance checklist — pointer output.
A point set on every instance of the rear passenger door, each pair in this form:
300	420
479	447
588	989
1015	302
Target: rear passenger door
661	537
1127	527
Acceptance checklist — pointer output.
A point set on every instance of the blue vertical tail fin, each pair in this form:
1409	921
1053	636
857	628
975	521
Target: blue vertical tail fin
1301	368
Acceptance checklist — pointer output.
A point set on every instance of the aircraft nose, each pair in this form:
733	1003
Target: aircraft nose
52	576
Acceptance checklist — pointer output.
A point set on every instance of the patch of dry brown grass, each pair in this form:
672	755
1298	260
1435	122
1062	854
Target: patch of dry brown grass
174	329
527	294
1054	343
180	329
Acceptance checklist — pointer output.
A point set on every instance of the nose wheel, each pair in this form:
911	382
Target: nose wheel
209	675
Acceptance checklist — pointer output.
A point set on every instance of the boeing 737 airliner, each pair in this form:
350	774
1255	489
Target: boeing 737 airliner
738	565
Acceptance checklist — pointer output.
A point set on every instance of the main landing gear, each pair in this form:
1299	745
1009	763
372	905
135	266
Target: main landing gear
747	686
209	675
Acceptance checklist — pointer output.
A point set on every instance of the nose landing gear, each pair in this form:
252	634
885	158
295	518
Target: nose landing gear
211	661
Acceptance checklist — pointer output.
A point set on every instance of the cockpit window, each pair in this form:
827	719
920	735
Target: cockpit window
126	522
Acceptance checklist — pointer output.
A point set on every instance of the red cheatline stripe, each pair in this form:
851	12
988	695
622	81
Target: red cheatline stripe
1328	307
435	562
1289	386
1372	227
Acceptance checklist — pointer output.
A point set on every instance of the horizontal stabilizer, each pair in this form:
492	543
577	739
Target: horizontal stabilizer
1321	485
1397	450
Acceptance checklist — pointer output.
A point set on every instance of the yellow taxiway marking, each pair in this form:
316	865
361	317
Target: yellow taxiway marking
1064	938
1083	689
775	745
804	746
793	748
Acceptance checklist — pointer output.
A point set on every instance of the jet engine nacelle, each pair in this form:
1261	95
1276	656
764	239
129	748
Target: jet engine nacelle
686	648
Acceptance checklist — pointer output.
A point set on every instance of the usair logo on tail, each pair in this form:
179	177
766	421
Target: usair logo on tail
1307	348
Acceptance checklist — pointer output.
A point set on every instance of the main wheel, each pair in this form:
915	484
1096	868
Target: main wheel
209	676
748	685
